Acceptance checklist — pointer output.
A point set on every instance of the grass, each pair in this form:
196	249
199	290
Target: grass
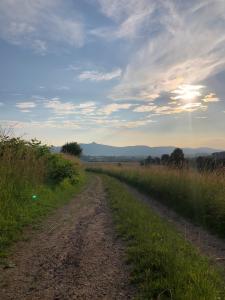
164	265
33	182
16	217
199	197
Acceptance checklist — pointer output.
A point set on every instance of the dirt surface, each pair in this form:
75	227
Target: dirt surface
73	255
207	243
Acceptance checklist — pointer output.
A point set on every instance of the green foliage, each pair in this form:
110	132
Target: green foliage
199	197
164	265
27	168
59	168
72	148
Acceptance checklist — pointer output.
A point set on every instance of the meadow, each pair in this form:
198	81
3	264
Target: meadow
199	197
33	181
163	264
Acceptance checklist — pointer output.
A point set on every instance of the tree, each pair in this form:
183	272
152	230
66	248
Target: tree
165	159
72	148
177	158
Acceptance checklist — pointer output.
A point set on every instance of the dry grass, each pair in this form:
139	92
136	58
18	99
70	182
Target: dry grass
198	196
163	264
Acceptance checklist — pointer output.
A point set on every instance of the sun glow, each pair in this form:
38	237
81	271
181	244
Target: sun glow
187	92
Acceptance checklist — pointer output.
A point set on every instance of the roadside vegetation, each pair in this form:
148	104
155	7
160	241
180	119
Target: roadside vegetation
33	181
197	196
164	265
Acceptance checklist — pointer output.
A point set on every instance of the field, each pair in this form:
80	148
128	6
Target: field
196	196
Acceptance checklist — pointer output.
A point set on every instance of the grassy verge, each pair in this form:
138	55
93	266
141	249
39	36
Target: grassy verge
199	197
33	181
34	210
164	265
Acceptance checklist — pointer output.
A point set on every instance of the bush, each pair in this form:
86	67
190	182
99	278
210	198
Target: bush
59	169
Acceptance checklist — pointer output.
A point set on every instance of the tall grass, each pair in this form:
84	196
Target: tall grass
32	182
164	265
199	197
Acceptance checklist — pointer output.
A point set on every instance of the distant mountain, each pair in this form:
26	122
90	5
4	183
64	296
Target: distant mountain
94	149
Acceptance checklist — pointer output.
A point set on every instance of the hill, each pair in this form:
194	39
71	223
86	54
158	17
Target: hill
94	149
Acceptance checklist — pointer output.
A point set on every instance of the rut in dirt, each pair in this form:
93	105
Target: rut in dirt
74	255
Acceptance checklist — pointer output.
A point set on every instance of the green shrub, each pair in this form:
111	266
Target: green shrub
59	169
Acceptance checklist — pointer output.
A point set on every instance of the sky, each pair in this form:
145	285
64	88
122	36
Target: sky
117	72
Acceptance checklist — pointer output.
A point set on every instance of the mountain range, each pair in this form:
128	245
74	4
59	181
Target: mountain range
94	149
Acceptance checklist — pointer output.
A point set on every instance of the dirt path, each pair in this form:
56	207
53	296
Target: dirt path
208	244
74	255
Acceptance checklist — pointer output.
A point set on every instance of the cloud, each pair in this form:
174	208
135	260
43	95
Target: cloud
145	108
59	107
187	47
187	92
129	18
26	106
40	25
39	47
100	76
110	108
87	107
44	124
118	123
137	123
69	108
211	98
1	104
121	9
170	109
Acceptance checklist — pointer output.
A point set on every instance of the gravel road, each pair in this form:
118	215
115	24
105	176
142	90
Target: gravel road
74	254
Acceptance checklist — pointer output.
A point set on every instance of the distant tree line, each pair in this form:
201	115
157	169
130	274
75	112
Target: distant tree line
216	161
176	159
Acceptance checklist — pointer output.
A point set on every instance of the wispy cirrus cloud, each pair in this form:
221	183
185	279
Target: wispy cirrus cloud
129	18
100	76
39	25
187	48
